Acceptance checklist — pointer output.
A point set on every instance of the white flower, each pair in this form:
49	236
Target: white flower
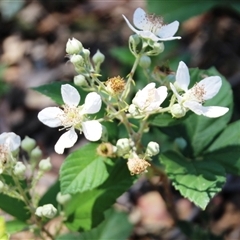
72	116
194	98
9	142
152	27
47	210
149	99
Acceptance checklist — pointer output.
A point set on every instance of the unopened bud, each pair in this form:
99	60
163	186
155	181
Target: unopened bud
73	46
145	61
28	144
80	80
123	146
132	109
178	111
36	153
47	210
157	48
98	57
86	53
63	198
77	60
152	149
45	165
19	169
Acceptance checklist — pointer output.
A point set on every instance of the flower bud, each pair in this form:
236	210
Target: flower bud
98	57
28	144
73	46
157	48
36	153
77	60
123	146
80	80
86	53
45	165
19	169
132	109
152	149
178	111
145	61
63	198
47	210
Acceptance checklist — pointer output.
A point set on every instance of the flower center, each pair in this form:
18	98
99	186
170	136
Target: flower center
153	23
196	93
4	154
151	97
71	117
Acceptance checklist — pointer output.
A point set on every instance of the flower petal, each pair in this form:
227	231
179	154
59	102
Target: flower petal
67	140
70	95
211	112
211	86
179	98
130	25
182	76
11	140
162	93
168	30
140	19
51	116
92	130
93	103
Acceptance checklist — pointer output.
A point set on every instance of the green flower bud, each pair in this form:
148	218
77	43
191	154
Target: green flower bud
63	198
28	144
145	61
178	111
80	80
45	165
19	169
73	46
98	57
36	153
86	52
47	210
157	48
77	60
123	146
152	149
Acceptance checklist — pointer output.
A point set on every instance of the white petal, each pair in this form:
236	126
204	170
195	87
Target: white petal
149	86
168	30
67	140
70	95
211	112
140	19
130	25
162	92
179	98
93	103
50	116
92	130
11	140
211	86
182	76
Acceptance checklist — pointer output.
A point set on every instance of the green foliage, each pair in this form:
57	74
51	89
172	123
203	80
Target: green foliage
96	182
197	180
15	226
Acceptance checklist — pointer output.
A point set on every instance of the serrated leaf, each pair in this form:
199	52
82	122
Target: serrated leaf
198	180
53	90
83	170
230	136
85	210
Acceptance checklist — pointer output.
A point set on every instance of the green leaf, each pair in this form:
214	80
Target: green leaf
228	157
69	236
85	210
50	195
108	230
53	90
123	55
14	207
230	136
198	180
83	170
15	226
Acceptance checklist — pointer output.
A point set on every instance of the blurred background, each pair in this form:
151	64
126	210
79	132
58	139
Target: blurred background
33	35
